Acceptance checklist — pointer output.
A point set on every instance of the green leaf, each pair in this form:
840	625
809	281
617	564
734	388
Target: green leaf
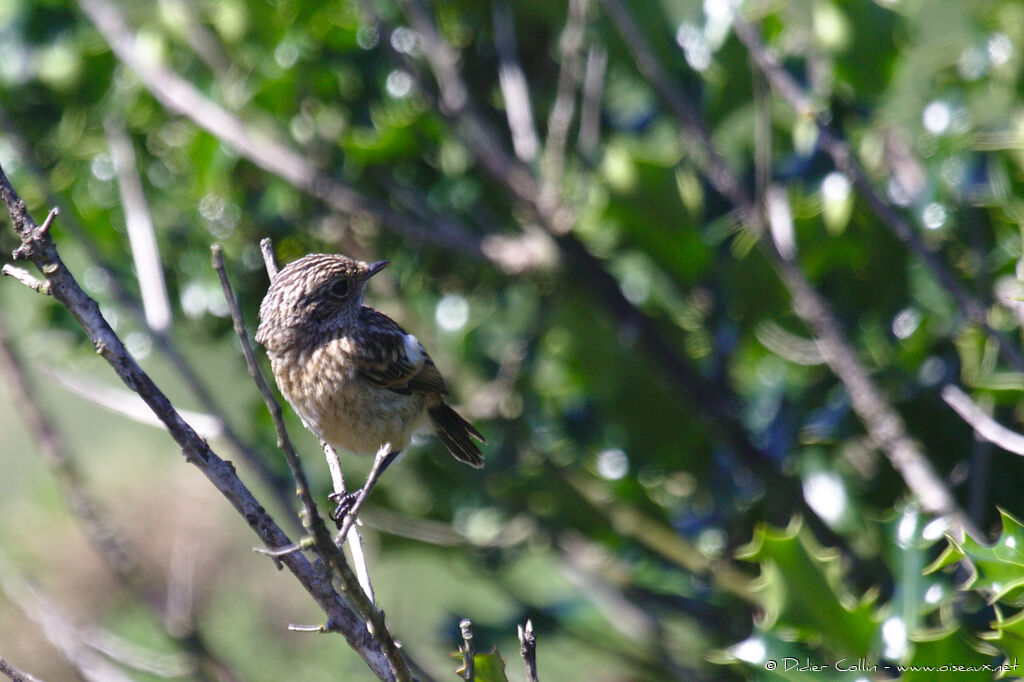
801	588
950	646
997	570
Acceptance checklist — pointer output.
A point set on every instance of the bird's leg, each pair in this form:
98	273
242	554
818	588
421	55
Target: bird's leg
350	503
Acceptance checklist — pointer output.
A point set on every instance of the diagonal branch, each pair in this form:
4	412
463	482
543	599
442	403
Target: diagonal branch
140	228
162	340
38	247
983	424
14	674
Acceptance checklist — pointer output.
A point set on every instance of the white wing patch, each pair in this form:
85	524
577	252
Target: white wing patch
414	353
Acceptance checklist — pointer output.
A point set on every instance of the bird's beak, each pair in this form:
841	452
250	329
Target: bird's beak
375	268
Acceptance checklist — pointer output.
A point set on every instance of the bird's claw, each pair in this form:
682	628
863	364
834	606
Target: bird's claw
345	502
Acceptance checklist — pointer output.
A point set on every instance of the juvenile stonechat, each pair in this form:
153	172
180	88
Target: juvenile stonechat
353	375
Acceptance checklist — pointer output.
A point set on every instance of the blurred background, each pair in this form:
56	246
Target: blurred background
604	218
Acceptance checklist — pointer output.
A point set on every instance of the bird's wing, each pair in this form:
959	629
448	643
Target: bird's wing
392	359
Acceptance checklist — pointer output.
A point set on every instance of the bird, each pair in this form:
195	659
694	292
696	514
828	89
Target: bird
354	376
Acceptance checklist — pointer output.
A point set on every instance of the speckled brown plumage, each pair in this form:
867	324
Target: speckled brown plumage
354	376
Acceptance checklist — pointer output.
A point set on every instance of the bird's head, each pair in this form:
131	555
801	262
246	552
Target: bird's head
316	295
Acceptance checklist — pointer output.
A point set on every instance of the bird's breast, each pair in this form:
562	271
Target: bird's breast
338	405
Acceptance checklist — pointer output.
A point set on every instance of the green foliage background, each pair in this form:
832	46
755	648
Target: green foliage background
619	508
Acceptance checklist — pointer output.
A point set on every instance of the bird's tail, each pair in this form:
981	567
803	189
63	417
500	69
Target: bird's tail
456	433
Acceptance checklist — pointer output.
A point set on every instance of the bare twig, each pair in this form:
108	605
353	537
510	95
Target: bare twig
983	424
513	84
267	249
352	536
468	654
263	147
528	650
199	37
14	674
580	559
132	655
560	118
126	403
310	514
882	422
788	346
590	106
27	278
141	233
38	247
784	84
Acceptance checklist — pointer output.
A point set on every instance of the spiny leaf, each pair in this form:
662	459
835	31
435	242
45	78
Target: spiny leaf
1008	635
996	570
801	588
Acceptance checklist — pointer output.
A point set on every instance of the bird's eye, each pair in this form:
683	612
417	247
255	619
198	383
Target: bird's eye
339	289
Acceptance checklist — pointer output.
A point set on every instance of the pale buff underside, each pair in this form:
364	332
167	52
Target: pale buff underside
340	406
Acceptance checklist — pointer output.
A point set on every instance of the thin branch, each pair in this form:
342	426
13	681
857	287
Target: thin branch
466	648
311	516
26	278
590	106
132	655
352	536
528	650
631	523
983	424
788	346
14	674
38	247
263	147
267	249
200	38
512	82
139	224
784	84
560	118
126	403
882	422
380	461
579	559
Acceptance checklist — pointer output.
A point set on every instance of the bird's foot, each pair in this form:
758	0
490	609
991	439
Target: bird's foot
345	502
